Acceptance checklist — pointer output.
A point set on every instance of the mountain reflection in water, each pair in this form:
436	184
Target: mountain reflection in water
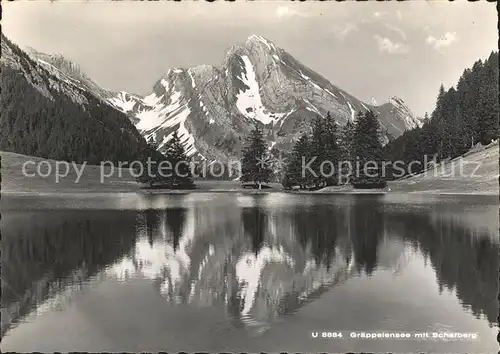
257	258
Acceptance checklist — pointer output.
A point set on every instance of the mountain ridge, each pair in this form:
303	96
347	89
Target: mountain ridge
213	107
47	113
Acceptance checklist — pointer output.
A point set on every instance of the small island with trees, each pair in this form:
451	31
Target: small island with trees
169	170
317	157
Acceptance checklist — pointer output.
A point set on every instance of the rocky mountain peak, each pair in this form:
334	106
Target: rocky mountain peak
400	104
259	49
59	62
256	41
396	101
175	71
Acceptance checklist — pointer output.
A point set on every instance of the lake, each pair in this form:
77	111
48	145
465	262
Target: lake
234	272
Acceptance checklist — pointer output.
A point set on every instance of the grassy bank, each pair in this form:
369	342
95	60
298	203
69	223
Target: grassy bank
120	181
479	175
14	180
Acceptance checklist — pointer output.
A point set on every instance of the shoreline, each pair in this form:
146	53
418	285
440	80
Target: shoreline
14	182
243	191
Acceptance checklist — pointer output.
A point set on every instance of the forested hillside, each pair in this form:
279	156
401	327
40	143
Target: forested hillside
464	115
44	116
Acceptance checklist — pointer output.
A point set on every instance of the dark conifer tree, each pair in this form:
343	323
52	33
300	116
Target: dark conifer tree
150	173
169	170
368	152
317	153
294	175
346	147
176	155
255	164
488	101
332	152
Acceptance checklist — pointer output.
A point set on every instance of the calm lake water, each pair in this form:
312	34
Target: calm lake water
220	272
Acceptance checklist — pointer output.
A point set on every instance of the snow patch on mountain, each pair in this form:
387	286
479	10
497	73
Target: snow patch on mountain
152	100
203	108
331	93
121	101
187	140
165	84
249	102
150	119
179	118
281	117
193	83
165	140
276	57
311	107
309	80
353	112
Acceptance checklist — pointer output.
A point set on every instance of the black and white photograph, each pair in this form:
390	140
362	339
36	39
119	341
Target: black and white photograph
249	176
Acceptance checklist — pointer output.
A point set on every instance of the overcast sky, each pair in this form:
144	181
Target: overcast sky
376	50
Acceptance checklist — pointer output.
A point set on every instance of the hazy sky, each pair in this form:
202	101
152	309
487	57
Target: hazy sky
376	50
